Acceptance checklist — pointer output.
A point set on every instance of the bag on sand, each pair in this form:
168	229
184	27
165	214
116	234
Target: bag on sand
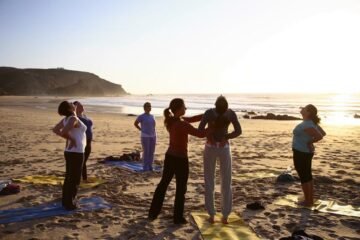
301	235
10	188
128	157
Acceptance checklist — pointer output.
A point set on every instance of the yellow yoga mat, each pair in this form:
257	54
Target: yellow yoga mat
236	229
249	175
321	206
56	180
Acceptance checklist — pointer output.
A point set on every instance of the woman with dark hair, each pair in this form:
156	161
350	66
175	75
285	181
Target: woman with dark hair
73	130
176	158
89	135
218	147
305	135
148	136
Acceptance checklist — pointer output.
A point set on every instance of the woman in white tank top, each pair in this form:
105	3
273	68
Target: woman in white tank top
73	130
77	134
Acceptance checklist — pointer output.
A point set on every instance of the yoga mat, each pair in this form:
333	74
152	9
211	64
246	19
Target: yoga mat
56	180
321	206
50	210
254	175
133	166
236	229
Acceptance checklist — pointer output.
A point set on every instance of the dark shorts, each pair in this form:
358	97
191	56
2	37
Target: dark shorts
302	163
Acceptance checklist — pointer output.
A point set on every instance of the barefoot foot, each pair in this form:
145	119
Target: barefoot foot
211	219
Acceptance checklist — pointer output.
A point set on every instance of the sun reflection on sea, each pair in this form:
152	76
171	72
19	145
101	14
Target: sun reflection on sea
341	113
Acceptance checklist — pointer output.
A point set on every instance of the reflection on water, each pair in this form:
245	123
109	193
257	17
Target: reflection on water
333	108
340	118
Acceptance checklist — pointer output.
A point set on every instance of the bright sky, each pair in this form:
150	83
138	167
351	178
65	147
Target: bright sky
190	46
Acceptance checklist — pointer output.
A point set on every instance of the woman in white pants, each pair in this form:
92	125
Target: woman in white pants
218	147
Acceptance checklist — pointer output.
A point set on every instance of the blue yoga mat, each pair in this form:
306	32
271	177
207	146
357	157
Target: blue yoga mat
134	166
50	210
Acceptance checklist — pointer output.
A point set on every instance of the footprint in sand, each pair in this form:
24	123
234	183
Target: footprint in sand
333	236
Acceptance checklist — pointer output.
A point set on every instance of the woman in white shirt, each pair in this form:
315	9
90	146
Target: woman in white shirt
73	130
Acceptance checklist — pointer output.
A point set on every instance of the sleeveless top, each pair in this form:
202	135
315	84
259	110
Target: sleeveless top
78	134
221	126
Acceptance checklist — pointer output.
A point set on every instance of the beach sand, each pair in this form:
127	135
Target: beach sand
28	147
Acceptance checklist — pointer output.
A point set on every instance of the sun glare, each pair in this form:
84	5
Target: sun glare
339	114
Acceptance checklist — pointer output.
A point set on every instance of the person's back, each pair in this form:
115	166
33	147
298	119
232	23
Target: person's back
178	135
220	124
218	147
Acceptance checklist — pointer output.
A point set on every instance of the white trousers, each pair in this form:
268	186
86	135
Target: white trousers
211	154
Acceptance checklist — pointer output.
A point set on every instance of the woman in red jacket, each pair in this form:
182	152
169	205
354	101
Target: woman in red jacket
176	158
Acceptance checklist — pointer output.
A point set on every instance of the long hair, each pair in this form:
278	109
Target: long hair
221	106
175	105
64	109
312	110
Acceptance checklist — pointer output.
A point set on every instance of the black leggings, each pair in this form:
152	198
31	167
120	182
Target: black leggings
302	163
74	164
178	166
86	155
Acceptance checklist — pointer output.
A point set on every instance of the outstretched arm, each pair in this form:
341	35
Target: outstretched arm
194	131
195	118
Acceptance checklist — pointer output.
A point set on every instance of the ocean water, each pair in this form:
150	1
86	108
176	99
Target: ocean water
334	108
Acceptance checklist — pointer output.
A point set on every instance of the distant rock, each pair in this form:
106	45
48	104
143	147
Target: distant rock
271	116
251	113
356	116
55	82
246	116
131	115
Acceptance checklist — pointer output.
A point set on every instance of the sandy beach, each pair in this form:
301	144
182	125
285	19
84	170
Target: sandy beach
28	147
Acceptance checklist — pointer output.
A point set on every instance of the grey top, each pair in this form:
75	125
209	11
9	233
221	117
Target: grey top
221	124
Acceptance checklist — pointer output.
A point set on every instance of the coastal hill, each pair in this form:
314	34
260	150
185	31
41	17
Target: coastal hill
55	82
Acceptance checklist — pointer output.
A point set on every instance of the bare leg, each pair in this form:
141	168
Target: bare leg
312	191
211	219
307	189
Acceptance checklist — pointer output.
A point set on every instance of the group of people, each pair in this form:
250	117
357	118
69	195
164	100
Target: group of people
214	125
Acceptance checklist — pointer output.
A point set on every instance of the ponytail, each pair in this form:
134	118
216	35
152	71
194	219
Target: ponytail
168	118
175	105
316	119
